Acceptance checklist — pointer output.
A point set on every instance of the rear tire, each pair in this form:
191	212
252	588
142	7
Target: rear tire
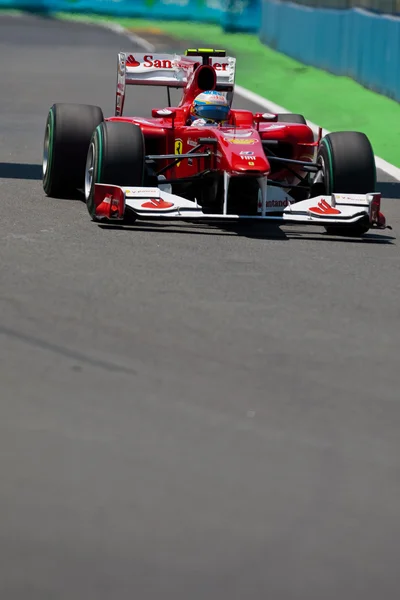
348	167
289	118
69	128
116	156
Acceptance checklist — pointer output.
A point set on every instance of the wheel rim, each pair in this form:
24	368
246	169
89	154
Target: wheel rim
46	149
89	171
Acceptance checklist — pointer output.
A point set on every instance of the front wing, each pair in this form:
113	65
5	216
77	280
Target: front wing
112	202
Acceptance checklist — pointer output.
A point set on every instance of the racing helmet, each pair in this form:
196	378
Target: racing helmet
212	106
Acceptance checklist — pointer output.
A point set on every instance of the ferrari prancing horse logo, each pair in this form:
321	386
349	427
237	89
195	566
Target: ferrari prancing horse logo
178	148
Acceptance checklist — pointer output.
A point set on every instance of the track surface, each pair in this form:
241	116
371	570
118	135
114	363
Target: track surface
185	413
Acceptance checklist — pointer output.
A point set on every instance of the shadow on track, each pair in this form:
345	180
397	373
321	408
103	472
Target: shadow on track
20	171
389	189
379	239
256	231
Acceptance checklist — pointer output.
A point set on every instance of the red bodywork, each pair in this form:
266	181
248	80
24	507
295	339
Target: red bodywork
239	150
164	137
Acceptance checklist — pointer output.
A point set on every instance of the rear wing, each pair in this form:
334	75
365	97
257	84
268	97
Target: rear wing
169	70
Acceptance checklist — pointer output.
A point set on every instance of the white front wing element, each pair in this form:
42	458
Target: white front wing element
154	202
337	209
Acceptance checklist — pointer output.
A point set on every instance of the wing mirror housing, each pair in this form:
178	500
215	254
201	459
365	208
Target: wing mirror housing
265	118
163	113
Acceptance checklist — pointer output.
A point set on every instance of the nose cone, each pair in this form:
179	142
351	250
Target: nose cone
244	152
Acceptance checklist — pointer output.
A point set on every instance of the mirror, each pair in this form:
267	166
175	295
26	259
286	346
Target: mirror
163	113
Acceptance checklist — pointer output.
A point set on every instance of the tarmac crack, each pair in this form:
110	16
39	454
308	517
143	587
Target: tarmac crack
65	352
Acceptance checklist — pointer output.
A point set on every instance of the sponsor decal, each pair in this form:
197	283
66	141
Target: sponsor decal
246	141
192	143
157	63
164	111
270	204
157	203
143	192
149	62
131	61
178	148
352	199
324	208
220	66
247	155
152	62
276	203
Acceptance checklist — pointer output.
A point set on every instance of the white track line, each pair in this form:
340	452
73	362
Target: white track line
147	46
243	92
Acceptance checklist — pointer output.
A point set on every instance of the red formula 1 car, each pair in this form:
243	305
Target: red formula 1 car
254	166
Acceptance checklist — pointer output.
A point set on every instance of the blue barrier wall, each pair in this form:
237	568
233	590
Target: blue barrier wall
357	43
233	15
353	42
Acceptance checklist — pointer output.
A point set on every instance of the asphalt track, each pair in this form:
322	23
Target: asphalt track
185	413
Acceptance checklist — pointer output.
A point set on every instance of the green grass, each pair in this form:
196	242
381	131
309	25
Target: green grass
332	102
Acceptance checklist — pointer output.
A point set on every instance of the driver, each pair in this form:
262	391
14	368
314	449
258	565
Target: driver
209	108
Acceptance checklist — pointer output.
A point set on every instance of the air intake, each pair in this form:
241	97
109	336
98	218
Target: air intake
206	78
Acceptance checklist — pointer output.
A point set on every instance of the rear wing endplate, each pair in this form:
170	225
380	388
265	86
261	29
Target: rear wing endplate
169	70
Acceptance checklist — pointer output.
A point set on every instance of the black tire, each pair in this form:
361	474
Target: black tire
349	167
69	128
117	156
289	118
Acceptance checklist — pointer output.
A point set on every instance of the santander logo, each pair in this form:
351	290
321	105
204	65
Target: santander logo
151	62
324	208
131	61
157	203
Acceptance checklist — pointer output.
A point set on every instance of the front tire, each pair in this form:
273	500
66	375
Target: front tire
69	128
116	156
348	166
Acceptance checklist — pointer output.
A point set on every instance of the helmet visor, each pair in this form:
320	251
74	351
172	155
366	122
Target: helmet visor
208	111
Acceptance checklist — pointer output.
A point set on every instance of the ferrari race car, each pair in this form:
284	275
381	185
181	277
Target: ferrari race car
253	166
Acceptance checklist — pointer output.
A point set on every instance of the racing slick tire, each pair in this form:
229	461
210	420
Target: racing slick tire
289	118
116	156
69	128
348	166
